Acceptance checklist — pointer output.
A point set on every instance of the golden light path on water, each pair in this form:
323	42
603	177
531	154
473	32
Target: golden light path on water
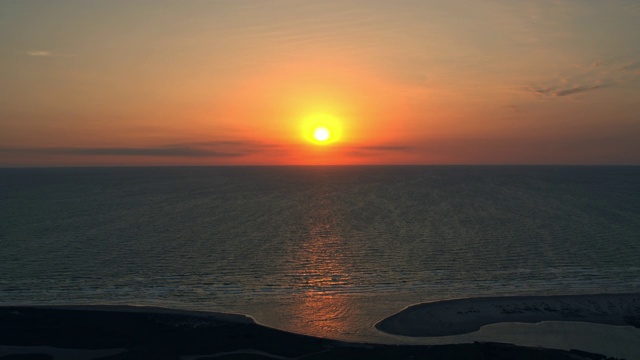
318	308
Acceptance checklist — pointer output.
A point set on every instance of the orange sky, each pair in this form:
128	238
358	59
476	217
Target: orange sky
233	83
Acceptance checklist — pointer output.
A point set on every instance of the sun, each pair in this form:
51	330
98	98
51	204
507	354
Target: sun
321	129
321	134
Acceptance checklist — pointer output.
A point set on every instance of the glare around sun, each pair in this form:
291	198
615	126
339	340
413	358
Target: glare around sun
321	129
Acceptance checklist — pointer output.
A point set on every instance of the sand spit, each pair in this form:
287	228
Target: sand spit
29	333
455	317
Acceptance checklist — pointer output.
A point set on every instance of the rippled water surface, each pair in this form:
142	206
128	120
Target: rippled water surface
319	250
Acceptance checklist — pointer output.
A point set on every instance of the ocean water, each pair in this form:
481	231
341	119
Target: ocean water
325	251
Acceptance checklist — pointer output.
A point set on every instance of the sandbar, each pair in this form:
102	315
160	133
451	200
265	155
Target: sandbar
462	316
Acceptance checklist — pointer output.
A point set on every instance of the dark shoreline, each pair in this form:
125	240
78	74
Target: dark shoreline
124	332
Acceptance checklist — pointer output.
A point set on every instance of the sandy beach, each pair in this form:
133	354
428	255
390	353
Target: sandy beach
461	316
110	333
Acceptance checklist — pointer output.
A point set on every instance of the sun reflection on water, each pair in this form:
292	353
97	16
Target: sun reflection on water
320	305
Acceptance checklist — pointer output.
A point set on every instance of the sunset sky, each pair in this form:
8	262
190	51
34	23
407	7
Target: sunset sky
239	82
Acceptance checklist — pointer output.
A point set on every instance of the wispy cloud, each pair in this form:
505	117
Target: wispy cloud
385	148
210	149
173	151
586	78
47	53
221	149
42	53
556	92
375	150
633	67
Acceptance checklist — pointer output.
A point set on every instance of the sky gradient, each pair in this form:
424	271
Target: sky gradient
92	83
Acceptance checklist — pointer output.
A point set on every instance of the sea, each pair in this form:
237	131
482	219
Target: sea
318	250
